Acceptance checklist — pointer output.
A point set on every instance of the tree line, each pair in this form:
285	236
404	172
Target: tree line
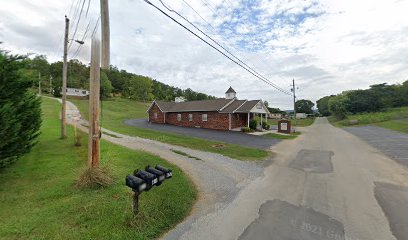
376	98
115	82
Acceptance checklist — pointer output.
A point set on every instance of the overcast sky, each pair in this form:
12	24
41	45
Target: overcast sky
327	46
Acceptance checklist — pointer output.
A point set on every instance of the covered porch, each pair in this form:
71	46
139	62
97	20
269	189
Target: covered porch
237	120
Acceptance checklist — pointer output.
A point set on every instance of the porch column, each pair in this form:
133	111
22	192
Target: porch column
266	117
248	119
229	121
261	119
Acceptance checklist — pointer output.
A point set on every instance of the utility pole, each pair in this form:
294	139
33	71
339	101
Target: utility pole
94	130
39	83
105	32
294	102
64	82
50	84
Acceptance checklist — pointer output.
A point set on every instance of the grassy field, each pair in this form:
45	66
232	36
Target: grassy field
282	136
395	119
299	122
39	199
117	110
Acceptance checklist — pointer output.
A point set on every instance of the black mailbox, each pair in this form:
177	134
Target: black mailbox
149	178
161	176
135	183
167	172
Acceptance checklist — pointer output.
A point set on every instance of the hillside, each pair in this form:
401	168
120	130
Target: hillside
393	118
118	82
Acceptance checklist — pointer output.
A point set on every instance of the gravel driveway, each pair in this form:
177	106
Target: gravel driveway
219	179
391	143
222	136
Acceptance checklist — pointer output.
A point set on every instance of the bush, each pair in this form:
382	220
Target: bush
246	129
266	126
253	124
20	111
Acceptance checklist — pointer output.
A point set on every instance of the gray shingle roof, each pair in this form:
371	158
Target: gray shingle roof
230	90
242	106
202	106
247	106
233	106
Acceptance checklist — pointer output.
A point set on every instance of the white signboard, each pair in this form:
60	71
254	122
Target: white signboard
284	126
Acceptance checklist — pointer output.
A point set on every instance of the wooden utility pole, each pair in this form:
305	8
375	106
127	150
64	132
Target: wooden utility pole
94	131
64	83
39	83
50	84
294	102
105	32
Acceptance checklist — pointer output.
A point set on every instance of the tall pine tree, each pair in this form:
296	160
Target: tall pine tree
20	110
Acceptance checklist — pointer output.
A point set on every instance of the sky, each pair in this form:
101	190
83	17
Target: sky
327	46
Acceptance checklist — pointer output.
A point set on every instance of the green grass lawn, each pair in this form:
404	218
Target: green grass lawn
39	199
282	136
394	118
117	110
299	122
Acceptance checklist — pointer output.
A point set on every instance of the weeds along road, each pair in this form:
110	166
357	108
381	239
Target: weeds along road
327	184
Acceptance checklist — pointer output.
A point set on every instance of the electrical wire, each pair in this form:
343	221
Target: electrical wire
171	10
262	61
215	48
79	19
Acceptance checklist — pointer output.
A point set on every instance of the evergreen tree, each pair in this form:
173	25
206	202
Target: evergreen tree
20	110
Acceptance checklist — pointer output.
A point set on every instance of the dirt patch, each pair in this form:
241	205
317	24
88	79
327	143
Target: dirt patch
218	146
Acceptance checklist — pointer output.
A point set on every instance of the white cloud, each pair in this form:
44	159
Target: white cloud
328	45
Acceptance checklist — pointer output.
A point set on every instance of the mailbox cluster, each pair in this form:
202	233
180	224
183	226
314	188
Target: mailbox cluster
144	180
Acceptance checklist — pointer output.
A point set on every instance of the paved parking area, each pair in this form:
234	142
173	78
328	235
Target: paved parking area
391	143
221	136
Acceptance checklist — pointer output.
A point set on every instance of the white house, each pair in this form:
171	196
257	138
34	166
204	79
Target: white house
77	92
275	115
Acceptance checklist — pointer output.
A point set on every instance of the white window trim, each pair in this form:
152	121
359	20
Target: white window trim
206	117
155	115
190	117
178	117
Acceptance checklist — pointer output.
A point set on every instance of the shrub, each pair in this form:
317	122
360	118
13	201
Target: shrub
266	126
253	124
246	129
20	111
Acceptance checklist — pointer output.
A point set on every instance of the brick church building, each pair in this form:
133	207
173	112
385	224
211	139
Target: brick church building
221	114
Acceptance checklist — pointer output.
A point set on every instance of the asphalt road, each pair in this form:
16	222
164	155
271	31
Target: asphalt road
326	185
391	143
222	136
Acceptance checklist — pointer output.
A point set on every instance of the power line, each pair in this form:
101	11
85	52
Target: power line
205	3
171	10
83	38
253	72
87	9
96	27
79	19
